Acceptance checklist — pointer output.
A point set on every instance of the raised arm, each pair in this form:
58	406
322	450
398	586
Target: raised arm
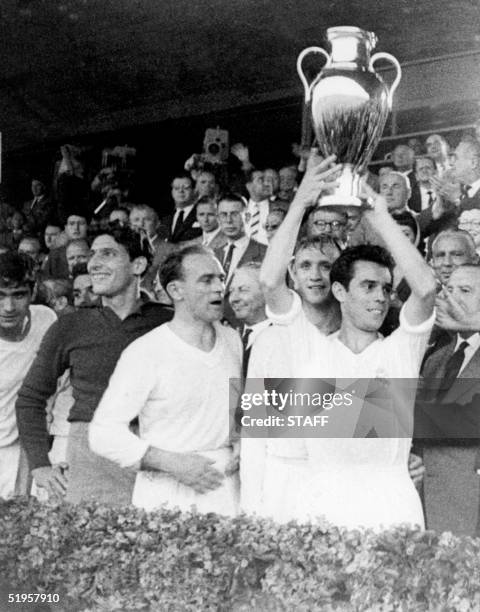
318	178
420	304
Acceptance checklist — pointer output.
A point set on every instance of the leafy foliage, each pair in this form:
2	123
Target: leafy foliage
103	559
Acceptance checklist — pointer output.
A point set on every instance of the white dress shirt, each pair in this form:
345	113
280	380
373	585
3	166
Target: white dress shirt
425	196
257	329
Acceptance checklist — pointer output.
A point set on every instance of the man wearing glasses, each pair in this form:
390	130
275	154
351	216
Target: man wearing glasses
328	221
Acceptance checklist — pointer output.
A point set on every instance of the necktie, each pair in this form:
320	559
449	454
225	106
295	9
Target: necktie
228	258
179	221
452	370
255	220
246	351
431	199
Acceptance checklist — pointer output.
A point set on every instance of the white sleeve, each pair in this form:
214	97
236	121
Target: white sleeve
287	318
127	393
406	346
422	328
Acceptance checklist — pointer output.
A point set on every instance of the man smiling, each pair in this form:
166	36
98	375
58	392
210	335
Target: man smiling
355	482
88	342
176	381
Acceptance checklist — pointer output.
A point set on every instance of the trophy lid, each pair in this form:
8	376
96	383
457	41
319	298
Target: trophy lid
350	43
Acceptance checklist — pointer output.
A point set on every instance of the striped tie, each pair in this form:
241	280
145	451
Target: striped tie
255	220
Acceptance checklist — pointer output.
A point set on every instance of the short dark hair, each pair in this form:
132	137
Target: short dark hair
231	196
206	200
182	175
407	219
172	267
343	268
135	244
16	270
249	174
421	157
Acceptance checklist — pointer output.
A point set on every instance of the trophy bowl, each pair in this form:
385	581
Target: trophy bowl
349	105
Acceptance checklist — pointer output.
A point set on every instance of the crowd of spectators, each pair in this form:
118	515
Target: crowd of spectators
60	258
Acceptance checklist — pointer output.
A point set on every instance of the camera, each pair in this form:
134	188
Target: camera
215	145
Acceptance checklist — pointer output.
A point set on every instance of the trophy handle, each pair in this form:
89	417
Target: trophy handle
301	74
396	63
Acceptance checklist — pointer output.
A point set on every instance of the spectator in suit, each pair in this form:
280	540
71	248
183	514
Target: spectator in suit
328	221
451	450
423	193
212	236
205	185
288	183
182	225
394	186
461	187
466	168
450	249
38	210
271	182
403	157
248	304
50	235
77	252
144	220
258	206
240	248
438	149
56	265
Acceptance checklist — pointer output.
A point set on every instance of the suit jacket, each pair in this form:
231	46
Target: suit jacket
186	231
37	217
56	265
451	483
218	242
469	203
254	252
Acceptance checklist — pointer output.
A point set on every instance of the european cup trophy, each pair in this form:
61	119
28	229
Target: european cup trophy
349	106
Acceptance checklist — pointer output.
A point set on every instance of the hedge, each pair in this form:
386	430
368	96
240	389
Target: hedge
102	559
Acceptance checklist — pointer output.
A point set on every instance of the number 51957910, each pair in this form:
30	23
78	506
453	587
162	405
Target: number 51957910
33	597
